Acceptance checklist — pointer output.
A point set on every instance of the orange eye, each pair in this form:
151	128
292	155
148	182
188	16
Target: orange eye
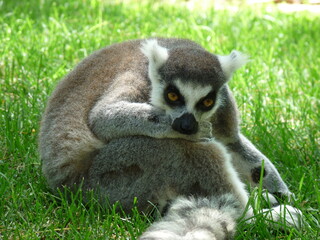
208	102
172	96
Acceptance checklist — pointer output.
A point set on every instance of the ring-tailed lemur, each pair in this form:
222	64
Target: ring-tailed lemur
136	119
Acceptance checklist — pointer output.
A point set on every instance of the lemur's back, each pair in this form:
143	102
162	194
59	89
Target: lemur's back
92	77
65	139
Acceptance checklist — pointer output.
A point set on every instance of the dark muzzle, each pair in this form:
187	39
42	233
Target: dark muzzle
186	124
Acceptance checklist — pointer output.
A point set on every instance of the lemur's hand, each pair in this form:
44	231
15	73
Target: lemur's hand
205	131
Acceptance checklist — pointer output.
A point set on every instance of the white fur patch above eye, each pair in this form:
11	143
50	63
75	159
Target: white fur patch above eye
156	96
156	54
192	94
232	62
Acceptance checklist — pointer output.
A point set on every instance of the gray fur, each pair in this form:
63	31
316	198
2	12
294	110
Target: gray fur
182	168
100	129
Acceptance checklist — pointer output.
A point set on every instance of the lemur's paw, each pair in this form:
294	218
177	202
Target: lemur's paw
284	215
205	131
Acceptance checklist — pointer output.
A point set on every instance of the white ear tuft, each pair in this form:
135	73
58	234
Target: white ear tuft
156	54
232	62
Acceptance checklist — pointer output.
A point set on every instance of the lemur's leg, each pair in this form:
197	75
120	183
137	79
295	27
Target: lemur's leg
248	160
159	170
246	157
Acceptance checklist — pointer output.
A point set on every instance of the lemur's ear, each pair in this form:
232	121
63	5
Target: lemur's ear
232	62
156	54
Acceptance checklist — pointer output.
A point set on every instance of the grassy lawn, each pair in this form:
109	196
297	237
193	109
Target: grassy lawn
278	94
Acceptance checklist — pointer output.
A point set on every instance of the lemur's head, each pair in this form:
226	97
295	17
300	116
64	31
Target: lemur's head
186	82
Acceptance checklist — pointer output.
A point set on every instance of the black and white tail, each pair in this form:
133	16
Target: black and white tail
211	218
215	218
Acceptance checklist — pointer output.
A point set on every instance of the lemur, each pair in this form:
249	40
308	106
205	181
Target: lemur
155	119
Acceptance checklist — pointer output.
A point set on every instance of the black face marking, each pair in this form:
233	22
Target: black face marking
255	174
201	105
172	89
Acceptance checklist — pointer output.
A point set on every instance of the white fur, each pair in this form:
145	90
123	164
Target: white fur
156	95
285	215
156	55
199	234
192	93
232	62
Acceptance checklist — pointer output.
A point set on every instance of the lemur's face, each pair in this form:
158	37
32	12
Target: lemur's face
187	103
186	83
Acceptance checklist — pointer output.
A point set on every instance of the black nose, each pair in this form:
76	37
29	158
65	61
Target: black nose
186	124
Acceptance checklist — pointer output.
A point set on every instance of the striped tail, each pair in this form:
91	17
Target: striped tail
211	218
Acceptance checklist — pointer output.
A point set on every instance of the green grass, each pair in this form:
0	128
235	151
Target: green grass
278	94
